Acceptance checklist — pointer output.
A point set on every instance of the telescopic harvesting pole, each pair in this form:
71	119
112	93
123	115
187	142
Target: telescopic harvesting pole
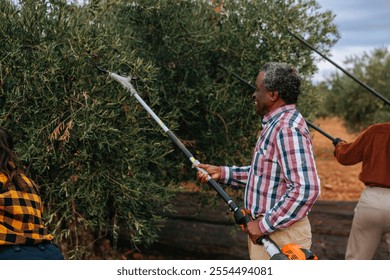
125	81
241	217
371	90
254	88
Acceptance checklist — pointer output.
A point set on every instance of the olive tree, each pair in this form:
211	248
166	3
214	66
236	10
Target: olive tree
105	168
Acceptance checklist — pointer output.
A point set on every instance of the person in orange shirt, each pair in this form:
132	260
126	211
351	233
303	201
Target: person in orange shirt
371	219
23	235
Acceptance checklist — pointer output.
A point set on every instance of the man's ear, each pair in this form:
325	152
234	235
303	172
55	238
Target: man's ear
274	95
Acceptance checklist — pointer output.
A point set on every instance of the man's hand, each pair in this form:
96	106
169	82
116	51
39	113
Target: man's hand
253	230
336	141
212	170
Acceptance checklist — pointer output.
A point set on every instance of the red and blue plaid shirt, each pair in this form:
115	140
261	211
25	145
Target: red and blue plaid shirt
281	183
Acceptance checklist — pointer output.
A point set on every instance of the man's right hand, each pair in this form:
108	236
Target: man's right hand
336	141
212	170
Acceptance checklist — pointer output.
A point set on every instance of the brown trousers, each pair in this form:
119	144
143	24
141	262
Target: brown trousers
298	233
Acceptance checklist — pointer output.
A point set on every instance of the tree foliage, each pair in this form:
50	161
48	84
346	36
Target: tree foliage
349	100
103	164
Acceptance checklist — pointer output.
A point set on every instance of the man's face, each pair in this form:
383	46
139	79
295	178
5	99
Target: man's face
261	96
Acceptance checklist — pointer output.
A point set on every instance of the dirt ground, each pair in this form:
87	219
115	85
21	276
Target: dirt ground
338	182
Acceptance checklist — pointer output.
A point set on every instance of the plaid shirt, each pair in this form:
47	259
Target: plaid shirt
282	183
21	215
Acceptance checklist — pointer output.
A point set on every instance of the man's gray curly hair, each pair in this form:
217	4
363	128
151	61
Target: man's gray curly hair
283	78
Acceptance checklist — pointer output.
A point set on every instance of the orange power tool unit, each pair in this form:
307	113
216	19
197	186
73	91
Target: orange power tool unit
290	251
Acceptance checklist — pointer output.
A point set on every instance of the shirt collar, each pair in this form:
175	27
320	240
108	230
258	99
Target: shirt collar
276	113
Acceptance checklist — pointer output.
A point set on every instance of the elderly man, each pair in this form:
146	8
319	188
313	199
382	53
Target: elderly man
281	184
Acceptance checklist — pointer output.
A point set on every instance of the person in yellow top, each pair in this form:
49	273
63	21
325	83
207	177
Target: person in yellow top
23	235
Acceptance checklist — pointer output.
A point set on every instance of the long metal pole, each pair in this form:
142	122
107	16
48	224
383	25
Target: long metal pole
371	90
254	88
125	81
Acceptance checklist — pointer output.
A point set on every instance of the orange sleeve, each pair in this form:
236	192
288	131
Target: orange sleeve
352	153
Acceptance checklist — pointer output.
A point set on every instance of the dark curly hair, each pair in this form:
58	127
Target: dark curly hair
9	163
284	78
